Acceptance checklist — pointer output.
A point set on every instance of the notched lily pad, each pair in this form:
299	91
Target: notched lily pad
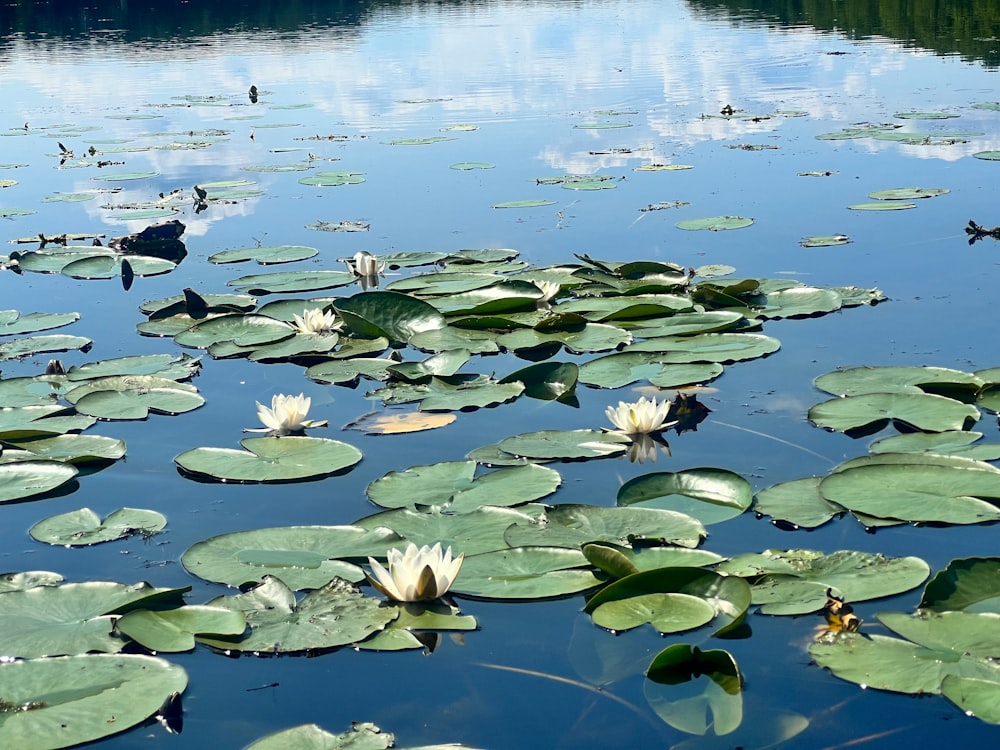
81	528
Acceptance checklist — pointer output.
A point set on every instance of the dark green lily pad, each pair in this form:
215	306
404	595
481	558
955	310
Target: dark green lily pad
396	316
966	585
81	528
24	479
270	459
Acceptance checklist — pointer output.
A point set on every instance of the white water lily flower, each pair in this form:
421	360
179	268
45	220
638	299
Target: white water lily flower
641	417
549	290
416	575
365	265
315	320
287	414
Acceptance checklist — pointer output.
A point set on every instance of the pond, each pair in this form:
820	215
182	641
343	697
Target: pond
686	186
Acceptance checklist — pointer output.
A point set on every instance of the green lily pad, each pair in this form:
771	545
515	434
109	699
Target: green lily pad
468	165
525	573
83	698
829	240
926	115
333	179
667	613
328	617
886	663
454	393
907	194
304	557
798	502
884	206
30	346
574	525
527	203
798	302
13	323
399	317
950	443
715	223
986	155
270	459
133	397
943	381
361	736
265	255
243	330
873	411
10	212
291	282
81	528
72	618
454	484
572	444
174	630
418	141
724	348
729	596
181	367
710	495
795	582
28	580
24	479
34	421
126	176
976	697
472	533
917	491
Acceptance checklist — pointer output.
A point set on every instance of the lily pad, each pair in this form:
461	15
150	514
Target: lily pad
174	630
331	616
291	281
134	397
873	411
270	459
527	203
884	206
574	525
573	444
917	491
304	557
333	179
13	323
454	484
795	582
797	502
24	479
907	194
72	618
32	345
525	573
715	223
76	699
265	255
667	613
967	584
396	316
81	528
708	494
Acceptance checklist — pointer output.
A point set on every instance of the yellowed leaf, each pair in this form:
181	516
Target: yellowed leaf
384	423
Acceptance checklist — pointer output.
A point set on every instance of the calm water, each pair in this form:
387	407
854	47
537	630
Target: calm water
524	74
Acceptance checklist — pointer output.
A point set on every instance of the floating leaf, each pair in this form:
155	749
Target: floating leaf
333	179
304	557
454	484
830	240
23	479
798	502
667	613
528	203
795	582
270	459
885	206
573	444
710	495
573	525
331	616
265	255
13	323
525	573
78	699
872	411
174	630
396	316
467	165
291	281
81	528
715	223
907	194
32	345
